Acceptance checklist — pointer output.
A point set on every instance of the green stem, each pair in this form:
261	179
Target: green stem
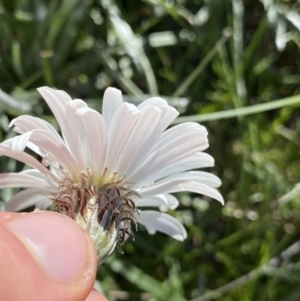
255	109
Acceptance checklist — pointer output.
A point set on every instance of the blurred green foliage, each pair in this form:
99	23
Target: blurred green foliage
203	56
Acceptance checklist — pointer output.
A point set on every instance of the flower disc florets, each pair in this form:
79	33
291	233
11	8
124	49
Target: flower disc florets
105	212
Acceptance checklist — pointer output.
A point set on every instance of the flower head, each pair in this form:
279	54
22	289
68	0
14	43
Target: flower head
104	168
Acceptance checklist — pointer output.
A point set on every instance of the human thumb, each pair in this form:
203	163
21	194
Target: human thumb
44	256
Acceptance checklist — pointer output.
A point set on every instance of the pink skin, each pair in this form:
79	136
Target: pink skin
45	254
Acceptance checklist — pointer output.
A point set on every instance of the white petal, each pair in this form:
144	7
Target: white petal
159	187
169	114
201	189
171	200
65	115
77	104
153	101
180	148
34	173
167	200
122	124
63	95
194	176
183	146
198	160
26	198
36	149
10	180
96	136
176	184
19	143
19	148
29	160
50	145
204	178
179	130
56	102
43	204
27	123
140	140
152	123
112	99
151	201
162	222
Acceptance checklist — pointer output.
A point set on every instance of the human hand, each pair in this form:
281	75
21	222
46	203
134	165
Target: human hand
45	256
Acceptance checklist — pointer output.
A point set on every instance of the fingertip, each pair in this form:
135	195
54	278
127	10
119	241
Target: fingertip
58	246
95	296
58	255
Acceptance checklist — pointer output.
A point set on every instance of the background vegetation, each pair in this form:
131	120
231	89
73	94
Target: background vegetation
222	63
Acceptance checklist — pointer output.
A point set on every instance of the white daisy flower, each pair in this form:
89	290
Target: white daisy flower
105	168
